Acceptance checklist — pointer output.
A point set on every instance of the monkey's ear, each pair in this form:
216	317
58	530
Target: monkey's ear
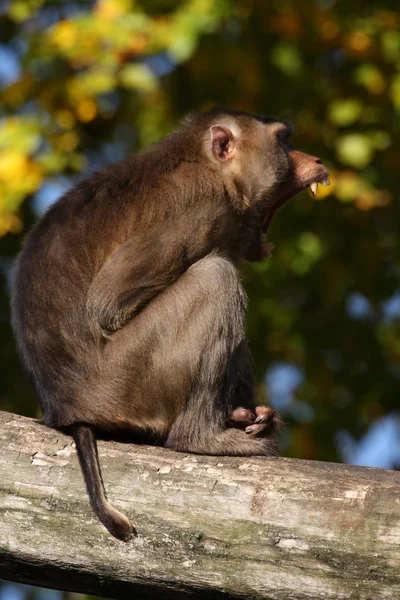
222	143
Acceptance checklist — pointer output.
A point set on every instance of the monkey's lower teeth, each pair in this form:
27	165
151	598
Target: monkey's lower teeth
313	187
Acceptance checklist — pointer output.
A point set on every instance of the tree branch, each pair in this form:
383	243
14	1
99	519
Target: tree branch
209	527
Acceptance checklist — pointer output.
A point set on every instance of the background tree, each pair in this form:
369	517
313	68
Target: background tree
85	83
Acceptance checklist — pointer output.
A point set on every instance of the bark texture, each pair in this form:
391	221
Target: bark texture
208	527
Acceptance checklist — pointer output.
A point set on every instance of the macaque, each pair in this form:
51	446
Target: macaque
127	305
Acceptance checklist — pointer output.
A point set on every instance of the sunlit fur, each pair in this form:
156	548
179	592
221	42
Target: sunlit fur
128	310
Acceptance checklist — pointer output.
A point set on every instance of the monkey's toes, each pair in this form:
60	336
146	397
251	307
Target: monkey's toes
241	417
264	413
260	430
266	423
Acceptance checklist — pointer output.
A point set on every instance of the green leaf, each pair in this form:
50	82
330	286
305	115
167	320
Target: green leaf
287	59
355	149
138	77
345	112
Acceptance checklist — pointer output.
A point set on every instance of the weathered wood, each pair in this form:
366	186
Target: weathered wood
209	527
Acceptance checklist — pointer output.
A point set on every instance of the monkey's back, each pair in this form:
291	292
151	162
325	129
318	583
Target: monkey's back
155	196
60	257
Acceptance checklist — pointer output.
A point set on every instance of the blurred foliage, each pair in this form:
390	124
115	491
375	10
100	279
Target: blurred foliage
98	80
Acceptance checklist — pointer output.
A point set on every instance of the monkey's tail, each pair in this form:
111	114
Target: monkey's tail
116	523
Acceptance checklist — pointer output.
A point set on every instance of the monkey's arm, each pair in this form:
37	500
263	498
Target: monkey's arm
135	273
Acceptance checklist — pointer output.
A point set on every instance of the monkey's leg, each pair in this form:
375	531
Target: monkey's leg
256	420
221	379
181	366
177	370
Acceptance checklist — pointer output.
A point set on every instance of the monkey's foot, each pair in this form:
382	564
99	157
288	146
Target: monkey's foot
241	417
267	422
259	422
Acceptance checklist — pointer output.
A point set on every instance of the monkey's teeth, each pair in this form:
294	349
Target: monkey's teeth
326	181
313	187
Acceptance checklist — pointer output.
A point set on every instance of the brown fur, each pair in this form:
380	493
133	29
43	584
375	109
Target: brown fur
127	307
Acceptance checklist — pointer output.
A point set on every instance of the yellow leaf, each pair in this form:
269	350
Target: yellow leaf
96	81
19	173
371	78
12	165
358	41
20	134
64	35
9	223
65	118
86	110
67	141
138	77
112	9
348	185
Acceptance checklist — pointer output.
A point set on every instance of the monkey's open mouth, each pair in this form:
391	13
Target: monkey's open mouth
323	179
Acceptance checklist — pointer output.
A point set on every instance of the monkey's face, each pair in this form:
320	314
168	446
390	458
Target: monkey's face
257	153
303	170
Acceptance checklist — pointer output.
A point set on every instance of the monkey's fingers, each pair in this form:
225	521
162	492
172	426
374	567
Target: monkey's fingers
241	417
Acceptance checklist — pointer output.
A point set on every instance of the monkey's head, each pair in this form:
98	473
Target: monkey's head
257	163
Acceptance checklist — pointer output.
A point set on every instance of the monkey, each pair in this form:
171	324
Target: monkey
127	306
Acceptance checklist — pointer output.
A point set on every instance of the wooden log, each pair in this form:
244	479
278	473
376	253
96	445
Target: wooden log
208	527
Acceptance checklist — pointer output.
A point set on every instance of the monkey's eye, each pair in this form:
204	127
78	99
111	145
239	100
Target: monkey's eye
283	136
